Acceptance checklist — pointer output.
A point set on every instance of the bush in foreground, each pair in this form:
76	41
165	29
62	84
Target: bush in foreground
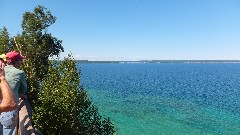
64	106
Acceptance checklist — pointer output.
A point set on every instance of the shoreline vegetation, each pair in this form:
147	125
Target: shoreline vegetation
61	105
161	61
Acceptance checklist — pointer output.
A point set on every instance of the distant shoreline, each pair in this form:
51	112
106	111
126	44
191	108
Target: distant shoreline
162	61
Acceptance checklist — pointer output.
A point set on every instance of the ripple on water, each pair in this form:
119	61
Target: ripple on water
167	98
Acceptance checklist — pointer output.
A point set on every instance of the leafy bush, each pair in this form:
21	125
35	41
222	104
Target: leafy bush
64	106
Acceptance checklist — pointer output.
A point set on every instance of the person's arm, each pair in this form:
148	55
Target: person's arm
22	96
7	95
8	100
23	87
23	84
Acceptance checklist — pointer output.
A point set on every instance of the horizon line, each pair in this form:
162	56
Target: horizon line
157	60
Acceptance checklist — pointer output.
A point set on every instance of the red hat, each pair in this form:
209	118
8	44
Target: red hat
13	55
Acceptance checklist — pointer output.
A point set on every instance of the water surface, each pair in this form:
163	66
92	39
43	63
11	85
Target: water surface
166	98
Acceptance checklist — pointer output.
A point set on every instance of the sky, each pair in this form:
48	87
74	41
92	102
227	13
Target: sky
137	29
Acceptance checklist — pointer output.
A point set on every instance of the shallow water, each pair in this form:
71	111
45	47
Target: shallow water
162	99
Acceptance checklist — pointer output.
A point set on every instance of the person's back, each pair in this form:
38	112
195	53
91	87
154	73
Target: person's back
16	79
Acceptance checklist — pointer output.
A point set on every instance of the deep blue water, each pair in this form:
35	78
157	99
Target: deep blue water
166	98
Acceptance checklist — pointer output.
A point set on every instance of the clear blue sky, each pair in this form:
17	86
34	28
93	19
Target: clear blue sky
138	29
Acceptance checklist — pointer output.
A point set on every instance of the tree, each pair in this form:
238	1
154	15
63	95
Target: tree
61	105
5	41
37	45
64	106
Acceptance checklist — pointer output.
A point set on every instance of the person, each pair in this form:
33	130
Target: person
17	81
6	94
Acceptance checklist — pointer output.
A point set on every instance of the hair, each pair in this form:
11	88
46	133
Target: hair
3	60
11	62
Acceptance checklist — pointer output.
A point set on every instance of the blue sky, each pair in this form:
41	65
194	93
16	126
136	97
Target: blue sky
138	29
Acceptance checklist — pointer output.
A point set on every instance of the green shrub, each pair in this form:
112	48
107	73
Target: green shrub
64	106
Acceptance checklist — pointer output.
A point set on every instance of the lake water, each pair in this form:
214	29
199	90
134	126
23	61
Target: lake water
166	98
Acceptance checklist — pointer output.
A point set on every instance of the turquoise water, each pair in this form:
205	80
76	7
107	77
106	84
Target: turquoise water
166	99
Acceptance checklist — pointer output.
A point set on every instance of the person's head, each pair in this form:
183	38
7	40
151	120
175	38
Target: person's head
3	58
14	58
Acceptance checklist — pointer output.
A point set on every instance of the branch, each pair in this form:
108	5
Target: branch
19	48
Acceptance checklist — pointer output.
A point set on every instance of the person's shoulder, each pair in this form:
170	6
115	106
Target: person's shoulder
20	71
13	69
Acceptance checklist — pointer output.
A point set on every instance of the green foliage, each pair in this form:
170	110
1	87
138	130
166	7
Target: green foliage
37	45
36	22
64	107
61	106
5	41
